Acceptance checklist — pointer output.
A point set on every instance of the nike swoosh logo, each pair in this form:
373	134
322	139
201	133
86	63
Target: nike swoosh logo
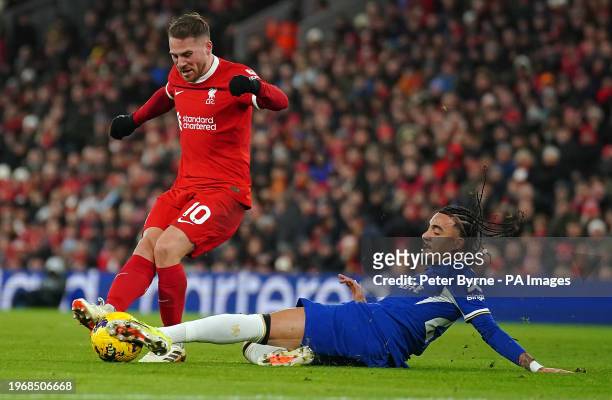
180	219
178	92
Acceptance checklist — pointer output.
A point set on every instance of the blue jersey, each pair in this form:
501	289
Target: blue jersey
385	333
421	317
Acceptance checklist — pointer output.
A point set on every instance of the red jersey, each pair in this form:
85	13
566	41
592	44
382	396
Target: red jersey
215	128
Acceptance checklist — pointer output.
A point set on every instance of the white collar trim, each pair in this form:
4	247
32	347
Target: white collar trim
211	70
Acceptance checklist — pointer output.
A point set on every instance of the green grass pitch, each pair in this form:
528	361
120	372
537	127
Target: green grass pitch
41	344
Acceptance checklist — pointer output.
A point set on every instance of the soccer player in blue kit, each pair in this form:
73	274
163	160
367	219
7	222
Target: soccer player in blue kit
383	333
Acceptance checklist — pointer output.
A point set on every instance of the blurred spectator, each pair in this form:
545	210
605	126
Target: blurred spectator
51	291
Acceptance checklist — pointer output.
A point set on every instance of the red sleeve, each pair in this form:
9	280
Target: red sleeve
270	97
160	103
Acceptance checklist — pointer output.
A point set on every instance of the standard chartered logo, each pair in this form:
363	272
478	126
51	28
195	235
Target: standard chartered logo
196	123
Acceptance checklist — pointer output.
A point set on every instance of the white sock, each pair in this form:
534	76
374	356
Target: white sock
220	329
177	333
252	351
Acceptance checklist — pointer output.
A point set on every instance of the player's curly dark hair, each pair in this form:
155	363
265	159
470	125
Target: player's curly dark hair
474	226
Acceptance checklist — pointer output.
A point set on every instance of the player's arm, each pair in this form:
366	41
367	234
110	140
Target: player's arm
266	95
503	344
158	104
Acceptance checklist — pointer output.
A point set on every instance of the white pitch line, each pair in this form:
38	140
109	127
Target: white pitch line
105	396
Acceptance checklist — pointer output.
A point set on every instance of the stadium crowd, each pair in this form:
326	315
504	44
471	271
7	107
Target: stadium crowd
392	115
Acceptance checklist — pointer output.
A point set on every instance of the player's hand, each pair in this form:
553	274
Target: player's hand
122	126
525	359
241	84
545	370
354	286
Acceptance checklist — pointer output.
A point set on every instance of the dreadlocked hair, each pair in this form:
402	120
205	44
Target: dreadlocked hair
473	226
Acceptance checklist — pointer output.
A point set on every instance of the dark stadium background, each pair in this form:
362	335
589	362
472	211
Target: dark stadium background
395	106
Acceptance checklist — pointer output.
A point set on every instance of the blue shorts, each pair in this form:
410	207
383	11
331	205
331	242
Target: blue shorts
348	333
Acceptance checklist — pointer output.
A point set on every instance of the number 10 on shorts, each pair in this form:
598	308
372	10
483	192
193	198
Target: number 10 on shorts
197	214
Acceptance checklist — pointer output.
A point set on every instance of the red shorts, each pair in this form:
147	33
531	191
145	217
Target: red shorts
207	217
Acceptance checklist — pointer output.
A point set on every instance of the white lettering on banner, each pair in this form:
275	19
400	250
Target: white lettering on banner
331	286
87	282
14	283
275	284
243	292
248	284
145	304
224	287
203	287
306	287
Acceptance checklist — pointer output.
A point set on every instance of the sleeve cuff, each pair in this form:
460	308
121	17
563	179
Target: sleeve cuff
168	93
254	101
476	313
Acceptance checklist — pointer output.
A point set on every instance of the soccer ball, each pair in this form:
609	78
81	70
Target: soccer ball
109	348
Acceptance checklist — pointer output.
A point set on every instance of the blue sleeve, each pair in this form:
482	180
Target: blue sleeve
495	337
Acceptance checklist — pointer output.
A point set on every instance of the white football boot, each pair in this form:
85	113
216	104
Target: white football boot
176	354
89	314
161	348
287	358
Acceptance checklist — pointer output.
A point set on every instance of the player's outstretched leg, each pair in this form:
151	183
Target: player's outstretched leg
134	278
141	333
130	283
88	314
283	330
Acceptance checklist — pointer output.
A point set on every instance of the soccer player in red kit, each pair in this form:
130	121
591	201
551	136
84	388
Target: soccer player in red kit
214	101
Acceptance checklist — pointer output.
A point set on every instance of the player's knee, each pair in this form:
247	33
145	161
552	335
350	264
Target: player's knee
165	253
146	244
145	248
161	251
